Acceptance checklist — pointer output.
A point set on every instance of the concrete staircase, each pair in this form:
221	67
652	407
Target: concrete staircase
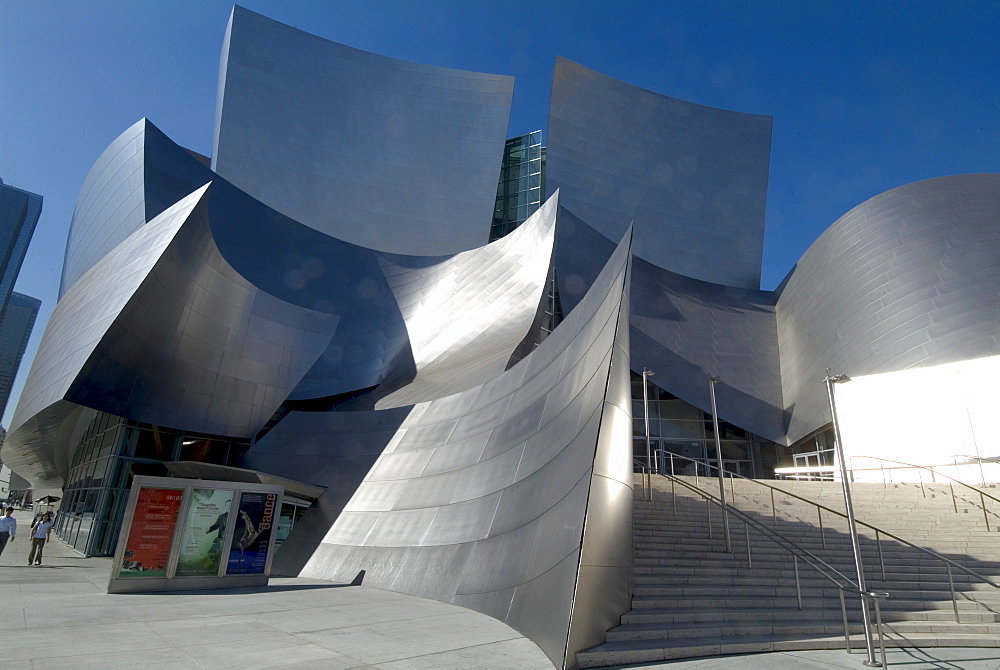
692	599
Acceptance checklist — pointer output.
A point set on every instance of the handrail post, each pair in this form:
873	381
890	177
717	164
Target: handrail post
673	496
712	381
881	560
645	410
822	531
878	625
798	588
671	463
749	559
953	501
849	509
881	465
954	600
982	499
774	513
708	508
843	613
920	476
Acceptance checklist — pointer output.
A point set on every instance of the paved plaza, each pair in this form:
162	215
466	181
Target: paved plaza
59	615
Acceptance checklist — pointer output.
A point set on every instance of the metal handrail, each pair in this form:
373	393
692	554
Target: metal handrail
878	531
797	552
982	494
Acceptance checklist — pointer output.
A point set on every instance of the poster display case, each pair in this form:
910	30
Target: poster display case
181	534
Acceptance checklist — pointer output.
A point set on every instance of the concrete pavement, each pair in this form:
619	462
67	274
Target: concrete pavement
59	615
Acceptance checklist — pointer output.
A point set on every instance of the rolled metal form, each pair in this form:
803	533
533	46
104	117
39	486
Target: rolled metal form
391	155
465	315
163	330
909	278
111	205
512	498
123	190
691	179
688	330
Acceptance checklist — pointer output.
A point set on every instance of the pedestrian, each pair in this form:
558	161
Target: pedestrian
40	533
8	528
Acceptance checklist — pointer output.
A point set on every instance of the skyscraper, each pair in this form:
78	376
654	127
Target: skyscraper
15	329
19	211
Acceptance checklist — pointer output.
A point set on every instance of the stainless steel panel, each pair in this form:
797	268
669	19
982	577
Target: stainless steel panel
907	279
390	155
691	179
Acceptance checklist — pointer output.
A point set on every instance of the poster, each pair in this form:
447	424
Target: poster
252	535
204	532
153	523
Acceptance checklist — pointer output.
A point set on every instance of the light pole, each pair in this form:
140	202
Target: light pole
849	507
712	381
646	374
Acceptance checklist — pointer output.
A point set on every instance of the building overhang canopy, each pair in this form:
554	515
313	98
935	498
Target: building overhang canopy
228	473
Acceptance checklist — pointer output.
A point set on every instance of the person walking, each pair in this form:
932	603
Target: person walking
8	528
40	532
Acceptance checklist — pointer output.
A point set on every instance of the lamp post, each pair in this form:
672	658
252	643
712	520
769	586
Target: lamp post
646	374
712	381
849	508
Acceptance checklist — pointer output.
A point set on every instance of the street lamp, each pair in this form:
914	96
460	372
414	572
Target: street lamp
712	381
646	374
849	507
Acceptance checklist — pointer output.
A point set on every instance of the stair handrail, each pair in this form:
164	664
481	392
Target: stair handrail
797	552
982	494
818	506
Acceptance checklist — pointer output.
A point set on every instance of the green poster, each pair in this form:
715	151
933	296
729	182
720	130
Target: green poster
204	532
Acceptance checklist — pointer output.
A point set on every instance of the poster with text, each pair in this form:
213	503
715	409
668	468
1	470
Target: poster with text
256	517
152	530
203	533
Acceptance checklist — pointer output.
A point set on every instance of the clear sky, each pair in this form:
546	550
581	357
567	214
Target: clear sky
865	96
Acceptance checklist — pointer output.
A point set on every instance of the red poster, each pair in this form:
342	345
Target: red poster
148	545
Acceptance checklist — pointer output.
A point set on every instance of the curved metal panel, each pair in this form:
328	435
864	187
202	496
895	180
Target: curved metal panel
482	497
82	318
687	330
390	155
691	179
910	278
467	314
163	330
110	207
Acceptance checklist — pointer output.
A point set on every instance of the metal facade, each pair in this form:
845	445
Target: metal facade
387	154
910	278
328	292
512	498
691	179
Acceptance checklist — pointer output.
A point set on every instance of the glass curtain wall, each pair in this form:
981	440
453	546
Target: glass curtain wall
110	453
520	193
679	428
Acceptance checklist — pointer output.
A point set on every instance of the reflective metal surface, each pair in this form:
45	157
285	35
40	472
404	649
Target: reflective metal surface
691	179
509	497
384	153
910	278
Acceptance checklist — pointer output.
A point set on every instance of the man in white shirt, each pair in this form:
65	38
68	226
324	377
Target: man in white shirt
8	528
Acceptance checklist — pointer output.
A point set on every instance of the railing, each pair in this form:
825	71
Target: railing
951	483
843	583
878	531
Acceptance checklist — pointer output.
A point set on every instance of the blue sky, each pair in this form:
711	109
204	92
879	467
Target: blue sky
866	96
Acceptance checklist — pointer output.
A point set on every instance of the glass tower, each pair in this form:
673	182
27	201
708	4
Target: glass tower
15	329
522	183
19	211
